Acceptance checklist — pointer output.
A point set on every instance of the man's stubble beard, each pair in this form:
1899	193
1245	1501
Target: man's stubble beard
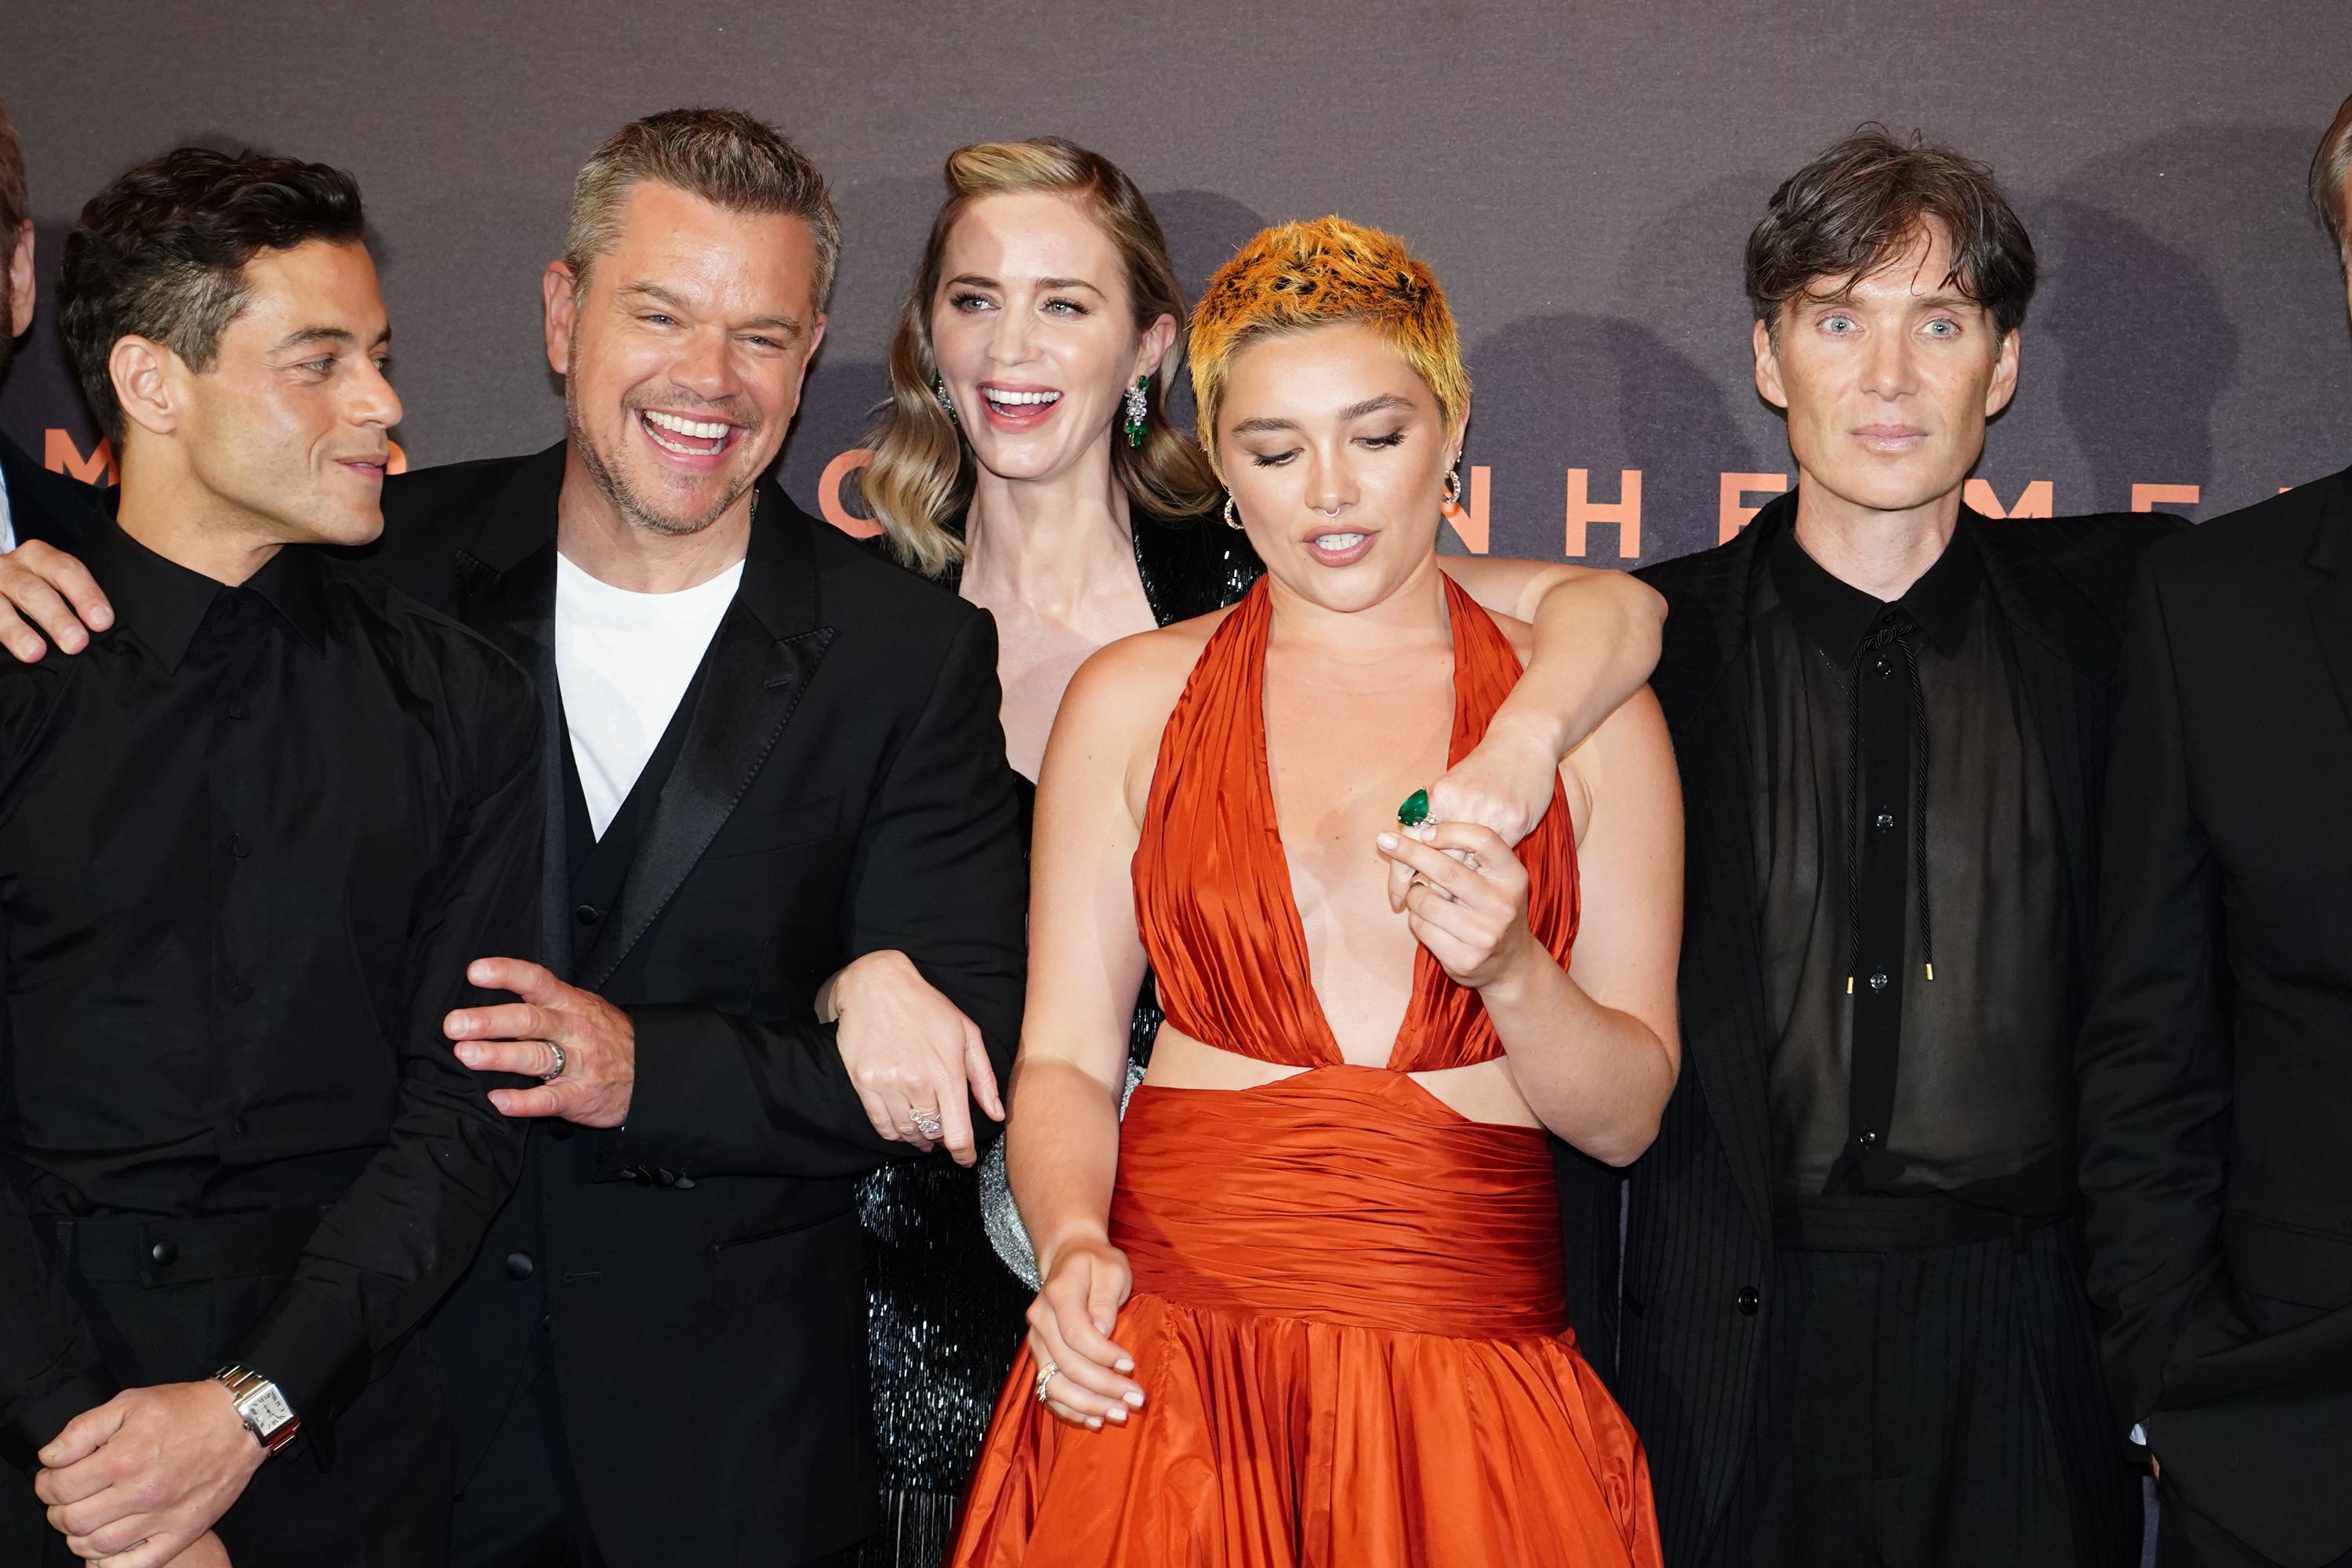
633	508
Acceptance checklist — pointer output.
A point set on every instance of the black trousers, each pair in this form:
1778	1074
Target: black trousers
522	1507
385	1502
2187	1538
1935	1407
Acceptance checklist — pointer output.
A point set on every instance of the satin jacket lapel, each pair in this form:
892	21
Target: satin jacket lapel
2331	602
506	592
761	662
1702	682
2065	659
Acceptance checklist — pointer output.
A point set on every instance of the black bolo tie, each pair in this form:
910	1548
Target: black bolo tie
1896	629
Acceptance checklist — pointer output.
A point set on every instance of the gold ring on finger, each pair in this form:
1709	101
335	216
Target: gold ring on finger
1046	1373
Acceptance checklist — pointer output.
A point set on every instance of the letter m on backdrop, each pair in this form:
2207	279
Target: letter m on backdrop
2034	501
60	456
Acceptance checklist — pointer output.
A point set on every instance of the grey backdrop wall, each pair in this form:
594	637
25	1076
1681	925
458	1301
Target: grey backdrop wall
1580	175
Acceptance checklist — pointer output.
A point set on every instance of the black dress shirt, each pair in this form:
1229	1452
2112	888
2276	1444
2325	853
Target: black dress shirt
1883	1078
248	843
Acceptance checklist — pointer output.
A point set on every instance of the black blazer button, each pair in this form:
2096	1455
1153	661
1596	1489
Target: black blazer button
587	914
165	1252
1748	1300
518	1265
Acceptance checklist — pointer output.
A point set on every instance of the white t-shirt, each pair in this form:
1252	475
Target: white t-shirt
624	661
7	523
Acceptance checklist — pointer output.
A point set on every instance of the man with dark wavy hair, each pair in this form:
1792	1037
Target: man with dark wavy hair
253	839
1852	1327
35	504
2216	1062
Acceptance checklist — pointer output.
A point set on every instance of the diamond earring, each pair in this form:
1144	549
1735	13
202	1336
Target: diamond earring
1135	409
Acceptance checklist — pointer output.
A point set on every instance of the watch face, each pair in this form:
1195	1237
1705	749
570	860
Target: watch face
266	1408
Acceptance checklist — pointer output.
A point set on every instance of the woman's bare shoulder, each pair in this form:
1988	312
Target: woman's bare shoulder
1135	671
1123	693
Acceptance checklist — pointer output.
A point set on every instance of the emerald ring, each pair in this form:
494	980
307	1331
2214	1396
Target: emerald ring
1415	809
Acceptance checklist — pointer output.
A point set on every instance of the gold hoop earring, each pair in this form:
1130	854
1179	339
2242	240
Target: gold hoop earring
1231	520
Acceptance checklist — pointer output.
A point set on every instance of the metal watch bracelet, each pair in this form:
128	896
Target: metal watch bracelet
261	1407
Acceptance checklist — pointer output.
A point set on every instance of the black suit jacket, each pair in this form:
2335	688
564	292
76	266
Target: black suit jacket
1681	1346
42	505
834	784
2217	1063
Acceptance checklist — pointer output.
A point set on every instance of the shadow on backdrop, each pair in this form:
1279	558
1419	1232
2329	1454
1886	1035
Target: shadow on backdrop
1608	392
2150	347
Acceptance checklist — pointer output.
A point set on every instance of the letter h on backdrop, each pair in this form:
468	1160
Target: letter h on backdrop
1625	511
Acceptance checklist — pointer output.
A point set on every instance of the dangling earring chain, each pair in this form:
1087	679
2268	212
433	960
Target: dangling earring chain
1231	520
1452	489
939	391
1135	408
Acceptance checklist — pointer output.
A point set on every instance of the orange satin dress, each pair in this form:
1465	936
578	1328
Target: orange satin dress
1349	1318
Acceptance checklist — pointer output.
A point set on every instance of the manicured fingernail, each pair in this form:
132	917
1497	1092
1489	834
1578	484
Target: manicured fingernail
1125	1366
1388	840
1134	1397
1094	1421
1120	1416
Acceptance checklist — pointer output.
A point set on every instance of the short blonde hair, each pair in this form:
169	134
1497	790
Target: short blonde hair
921	476
1302	275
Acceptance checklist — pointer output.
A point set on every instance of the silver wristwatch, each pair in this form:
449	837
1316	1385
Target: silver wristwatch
261	1407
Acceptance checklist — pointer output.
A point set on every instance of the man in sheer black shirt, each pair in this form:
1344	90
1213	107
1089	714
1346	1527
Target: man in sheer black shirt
251	841
1853	1327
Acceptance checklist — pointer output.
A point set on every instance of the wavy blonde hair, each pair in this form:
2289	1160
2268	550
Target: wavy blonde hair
921	475
1300	275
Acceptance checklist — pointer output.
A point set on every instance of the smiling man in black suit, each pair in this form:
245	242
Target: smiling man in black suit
776	790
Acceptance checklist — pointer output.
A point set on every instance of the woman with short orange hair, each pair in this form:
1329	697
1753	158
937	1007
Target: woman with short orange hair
1306	1306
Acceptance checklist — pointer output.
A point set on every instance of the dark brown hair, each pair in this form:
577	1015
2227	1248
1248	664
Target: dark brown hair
161	254
2331	168
725	156
1862	203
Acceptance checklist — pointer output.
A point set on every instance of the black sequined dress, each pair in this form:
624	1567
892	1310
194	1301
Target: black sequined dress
943	1312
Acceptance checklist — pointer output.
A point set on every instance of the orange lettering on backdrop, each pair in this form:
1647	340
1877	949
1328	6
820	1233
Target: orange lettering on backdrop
1625	511
1468	517
2034	501
60	456
399	462
828	494
2148	498
1732	510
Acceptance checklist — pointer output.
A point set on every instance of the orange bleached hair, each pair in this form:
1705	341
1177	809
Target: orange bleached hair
1297	276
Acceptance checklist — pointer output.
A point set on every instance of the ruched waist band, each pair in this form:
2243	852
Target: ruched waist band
1343	1195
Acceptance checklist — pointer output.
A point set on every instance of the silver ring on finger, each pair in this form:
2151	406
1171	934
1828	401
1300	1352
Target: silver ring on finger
927	1122
1046	1373
551	1074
